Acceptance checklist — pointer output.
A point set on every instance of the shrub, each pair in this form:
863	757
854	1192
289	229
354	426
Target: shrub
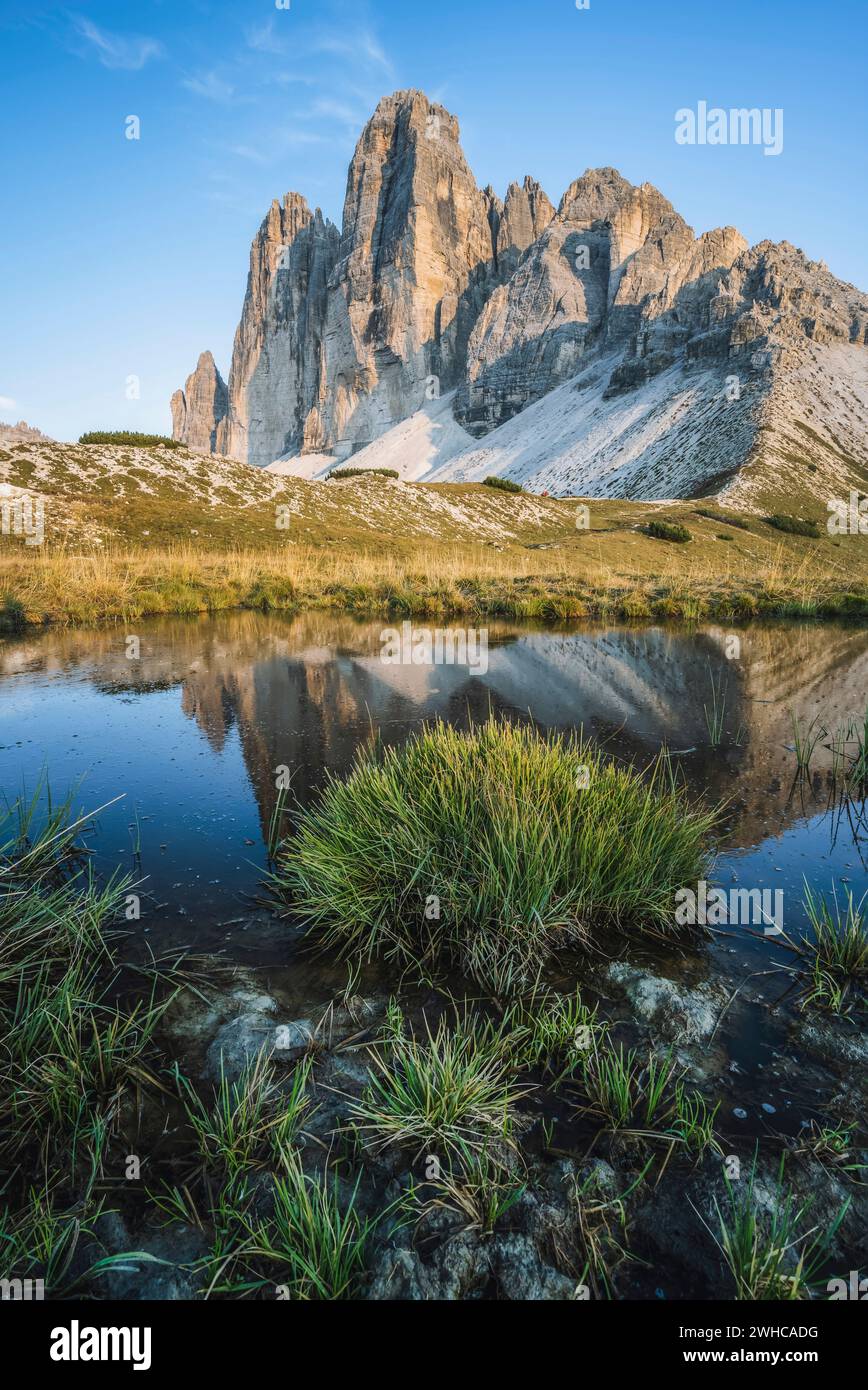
721	519
341	474
503	484
13	616
488	849
793	525
667	531
131	438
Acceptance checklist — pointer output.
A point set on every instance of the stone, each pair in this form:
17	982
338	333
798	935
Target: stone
680	1014
522	1275
342	334
463	1267
527	211
834	1041
237	1044
161	1267
22	433
613	256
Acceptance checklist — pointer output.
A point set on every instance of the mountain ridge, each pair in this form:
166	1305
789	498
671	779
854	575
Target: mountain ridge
712	351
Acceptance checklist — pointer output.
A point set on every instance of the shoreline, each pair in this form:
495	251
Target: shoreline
61	590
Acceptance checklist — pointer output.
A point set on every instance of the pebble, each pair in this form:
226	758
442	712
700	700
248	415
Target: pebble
740	1114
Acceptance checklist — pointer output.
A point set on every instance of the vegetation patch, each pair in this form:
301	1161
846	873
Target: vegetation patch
449	1092
342	474
793	525
722	519
502	484
70	1048
835	955
13	615
132	438
489	850
774	1253
668	531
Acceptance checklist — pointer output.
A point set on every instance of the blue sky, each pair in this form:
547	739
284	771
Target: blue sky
127	258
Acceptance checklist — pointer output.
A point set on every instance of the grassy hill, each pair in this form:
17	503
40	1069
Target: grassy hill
130	531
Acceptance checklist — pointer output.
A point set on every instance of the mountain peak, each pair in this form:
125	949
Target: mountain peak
440	302
199	409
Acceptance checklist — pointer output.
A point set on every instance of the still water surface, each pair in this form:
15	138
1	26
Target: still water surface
190	735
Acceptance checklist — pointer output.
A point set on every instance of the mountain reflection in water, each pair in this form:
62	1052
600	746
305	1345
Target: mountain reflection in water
192	733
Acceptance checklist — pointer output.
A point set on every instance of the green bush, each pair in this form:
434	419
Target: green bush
13	616
503	484
343	473
668	531
131	438
793	525
489	849
723	520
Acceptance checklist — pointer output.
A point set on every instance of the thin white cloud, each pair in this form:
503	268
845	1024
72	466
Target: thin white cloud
336	110
262	38
127	51
354	46
7	403
375	53
210	86
255	156
276	146
286	79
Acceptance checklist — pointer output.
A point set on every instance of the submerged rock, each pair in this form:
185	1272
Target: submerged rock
232	1028
465	1267
161	1267
238	1042
834	1040
680	1014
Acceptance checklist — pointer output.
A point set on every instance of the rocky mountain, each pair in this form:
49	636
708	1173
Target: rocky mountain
611	262
199	411
602	349
22	433
278	374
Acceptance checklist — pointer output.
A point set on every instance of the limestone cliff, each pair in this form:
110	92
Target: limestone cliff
602	348
275	382
199	410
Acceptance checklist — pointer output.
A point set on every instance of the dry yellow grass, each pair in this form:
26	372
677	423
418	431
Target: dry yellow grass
637	578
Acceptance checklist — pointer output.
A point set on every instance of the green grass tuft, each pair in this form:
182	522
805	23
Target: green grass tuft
315	1239
342	474
489	849
248	1119
446	1094
772	1254
837	952
13	615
